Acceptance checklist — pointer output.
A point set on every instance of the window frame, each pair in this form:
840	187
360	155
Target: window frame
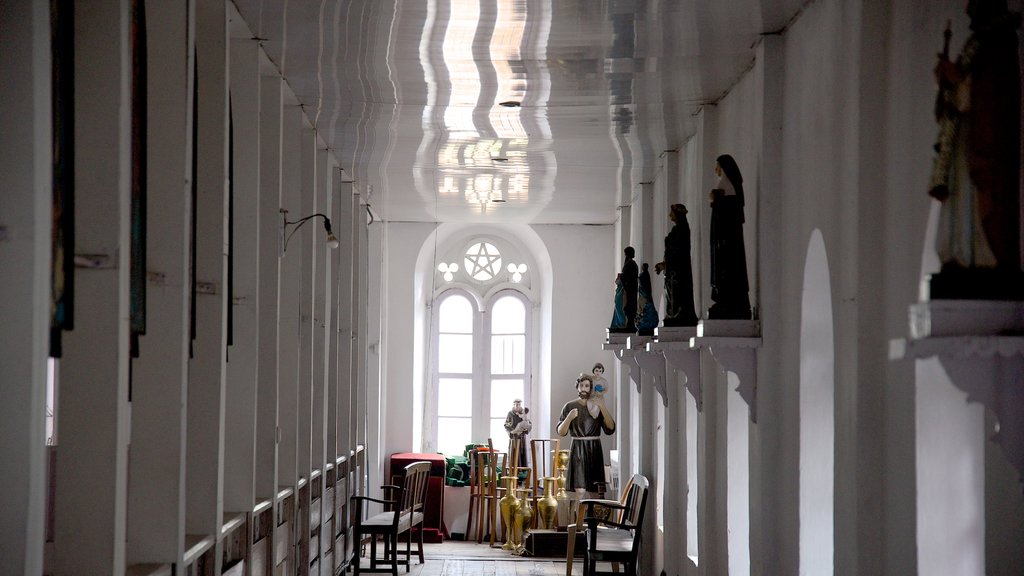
481	377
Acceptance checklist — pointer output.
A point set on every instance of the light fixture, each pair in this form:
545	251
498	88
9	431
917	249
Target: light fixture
285	236
510	104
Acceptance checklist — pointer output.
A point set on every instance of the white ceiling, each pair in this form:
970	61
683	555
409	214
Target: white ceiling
406	92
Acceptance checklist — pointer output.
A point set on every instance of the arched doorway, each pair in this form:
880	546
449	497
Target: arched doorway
817	413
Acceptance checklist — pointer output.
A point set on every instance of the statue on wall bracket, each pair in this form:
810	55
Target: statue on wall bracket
626	280
729	285
976	174
646	313
678	271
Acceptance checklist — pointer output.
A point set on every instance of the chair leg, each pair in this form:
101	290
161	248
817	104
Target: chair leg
356	554
373	552
570	548
394	557
408	549
420	543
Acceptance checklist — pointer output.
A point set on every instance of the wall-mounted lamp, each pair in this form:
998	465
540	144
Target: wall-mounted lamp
285	236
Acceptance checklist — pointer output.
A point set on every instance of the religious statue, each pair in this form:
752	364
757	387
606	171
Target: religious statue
584	419
628	278
618	313
729	286
518	424
597	377
678	271
647	314
976	173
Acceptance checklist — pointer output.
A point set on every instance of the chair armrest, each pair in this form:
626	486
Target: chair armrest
603	502
377	500
592	523
389	486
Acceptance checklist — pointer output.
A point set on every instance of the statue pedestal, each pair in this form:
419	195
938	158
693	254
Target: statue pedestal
980	344
615	340
734	344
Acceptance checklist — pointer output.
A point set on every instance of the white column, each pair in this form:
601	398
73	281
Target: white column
25	223
713	469
205	474
648	451
675	475
321	335
774	443
346	391
269	239
92	464
288	312
310	235
156	488
331	345
243	353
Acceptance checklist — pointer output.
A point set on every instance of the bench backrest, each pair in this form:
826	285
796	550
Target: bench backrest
635	501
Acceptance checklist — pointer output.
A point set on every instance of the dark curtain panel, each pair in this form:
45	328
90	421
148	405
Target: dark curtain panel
195	199
63	216
231	227
137	280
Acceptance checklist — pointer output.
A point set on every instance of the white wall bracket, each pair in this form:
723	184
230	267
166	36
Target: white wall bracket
980	344
674	345
734	345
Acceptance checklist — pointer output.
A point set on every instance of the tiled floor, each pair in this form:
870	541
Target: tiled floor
471	559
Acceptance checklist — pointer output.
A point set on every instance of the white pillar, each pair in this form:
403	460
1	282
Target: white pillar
243	353
269	239
288	312
25	223
206	395
92	470
346	313
648	452
156	488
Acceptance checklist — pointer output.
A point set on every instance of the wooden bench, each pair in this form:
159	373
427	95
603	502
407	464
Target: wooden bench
616	539
403	505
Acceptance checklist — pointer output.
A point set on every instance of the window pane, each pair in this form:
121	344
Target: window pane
508	316
507	354
455	397
503	392
453	434
456	315
498	435
455	353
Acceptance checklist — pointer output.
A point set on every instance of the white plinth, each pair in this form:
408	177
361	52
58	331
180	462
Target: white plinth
729	328
966	318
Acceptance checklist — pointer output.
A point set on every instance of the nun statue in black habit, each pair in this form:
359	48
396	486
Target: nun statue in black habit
729	286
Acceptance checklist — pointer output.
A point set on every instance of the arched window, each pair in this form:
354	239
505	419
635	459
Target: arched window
481	364
481	345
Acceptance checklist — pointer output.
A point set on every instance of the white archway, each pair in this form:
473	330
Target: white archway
817	414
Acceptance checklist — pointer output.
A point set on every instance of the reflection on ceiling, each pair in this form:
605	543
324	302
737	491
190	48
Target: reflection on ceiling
485	163
536	111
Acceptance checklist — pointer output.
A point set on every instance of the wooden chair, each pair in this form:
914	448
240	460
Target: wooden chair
403	511
581	510
617	541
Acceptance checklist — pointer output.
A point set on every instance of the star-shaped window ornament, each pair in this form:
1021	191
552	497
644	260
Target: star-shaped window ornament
517	271
448	270
483	261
